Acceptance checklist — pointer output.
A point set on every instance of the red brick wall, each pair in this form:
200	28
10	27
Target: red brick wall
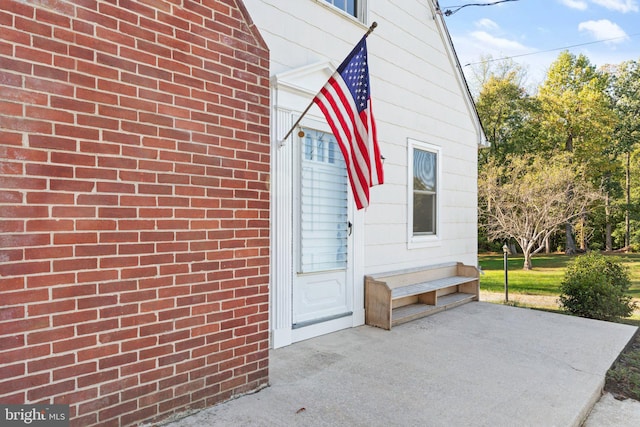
134	206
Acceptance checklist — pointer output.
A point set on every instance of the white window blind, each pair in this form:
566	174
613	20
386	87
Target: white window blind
323	204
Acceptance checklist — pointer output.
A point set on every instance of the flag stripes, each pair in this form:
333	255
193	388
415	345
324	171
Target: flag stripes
345	102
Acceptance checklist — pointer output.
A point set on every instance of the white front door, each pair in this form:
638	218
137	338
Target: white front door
322	289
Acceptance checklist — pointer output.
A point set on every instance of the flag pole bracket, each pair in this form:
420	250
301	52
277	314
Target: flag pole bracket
283	141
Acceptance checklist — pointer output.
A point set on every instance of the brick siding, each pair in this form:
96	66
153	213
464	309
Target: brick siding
134	206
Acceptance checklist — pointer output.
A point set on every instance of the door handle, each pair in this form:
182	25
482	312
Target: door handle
349	228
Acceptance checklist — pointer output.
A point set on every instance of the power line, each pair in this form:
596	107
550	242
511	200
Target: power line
552	50
450	12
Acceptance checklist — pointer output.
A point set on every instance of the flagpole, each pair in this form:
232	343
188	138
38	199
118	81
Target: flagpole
306	110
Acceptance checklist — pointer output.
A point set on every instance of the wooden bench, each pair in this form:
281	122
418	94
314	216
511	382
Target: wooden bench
397	297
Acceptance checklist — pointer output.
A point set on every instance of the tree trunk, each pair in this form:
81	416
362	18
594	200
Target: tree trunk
570	246
527	260
547	245
608	242
583	235
568	145
627	216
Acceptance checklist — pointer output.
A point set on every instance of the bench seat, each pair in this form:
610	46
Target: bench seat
401	296
420	288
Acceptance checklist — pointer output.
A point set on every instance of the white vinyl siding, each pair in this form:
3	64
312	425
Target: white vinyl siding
416	93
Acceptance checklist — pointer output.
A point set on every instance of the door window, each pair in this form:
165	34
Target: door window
323	204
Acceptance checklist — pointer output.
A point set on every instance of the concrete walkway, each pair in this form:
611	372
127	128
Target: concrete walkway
480	364
610	412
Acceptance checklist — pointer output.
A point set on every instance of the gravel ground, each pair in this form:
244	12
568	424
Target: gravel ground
543	301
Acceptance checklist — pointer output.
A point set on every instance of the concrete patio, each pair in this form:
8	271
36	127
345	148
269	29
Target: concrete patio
480	364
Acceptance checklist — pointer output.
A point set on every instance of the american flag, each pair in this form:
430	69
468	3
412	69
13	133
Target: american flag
345	101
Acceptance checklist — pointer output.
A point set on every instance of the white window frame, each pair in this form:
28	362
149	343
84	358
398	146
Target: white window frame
420	241
362	10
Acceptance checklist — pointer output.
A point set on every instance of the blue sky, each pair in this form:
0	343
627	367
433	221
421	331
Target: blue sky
533	27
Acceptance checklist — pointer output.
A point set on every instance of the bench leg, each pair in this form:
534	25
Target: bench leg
428	298
469	288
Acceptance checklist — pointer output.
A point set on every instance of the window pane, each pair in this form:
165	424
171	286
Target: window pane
323	205
424	192
348	6
424	170
351	7
308	147
424	213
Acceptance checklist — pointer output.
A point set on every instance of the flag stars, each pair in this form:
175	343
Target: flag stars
355	74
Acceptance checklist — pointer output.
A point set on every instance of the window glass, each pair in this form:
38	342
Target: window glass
323	204
425	183
348	6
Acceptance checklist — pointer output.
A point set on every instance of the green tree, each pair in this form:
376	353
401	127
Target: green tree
625	96
627	232
577	118
508	115
501	69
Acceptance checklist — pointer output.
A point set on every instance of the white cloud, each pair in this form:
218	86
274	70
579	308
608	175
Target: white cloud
575	4
487	24
496	42
623	6
604	30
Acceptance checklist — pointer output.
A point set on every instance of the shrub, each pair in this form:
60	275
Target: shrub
595	286
595	246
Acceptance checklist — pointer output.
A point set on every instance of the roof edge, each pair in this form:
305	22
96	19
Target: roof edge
462	80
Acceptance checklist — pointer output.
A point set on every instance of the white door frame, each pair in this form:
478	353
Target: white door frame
291	93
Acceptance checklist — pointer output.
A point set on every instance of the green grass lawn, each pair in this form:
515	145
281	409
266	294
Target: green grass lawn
545	278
